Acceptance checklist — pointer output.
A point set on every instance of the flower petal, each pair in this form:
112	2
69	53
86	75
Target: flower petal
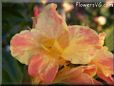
48	34
83	34
90	70
34	65
109	79
82	45
23	45
50	23
30	42
82	79
44	67
103	59
101	38
78	75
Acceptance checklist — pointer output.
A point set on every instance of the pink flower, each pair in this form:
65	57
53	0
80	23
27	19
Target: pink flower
51	47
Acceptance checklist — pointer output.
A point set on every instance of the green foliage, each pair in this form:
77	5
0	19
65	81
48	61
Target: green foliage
109	40
12	70
15	17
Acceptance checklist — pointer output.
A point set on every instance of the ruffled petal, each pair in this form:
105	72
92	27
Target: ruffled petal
82	45
83	34
30	42
24	44
50	23
78	75
50	35
43	67
104	60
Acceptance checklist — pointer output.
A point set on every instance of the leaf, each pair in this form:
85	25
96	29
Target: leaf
12	70
109	40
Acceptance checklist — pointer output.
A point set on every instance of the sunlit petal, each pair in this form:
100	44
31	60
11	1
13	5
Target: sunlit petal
82	45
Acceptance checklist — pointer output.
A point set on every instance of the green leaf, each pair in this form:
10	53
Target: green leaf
109	40
12	70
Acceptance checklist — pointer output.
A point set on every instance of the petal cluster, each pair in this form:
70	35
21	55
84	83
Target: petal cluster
58	53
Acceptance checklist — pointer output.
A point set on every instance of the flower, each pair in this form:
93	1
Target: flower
51	48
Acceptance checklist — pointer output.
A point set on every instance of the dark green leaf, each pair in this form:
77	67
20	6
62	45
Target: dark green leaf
12	70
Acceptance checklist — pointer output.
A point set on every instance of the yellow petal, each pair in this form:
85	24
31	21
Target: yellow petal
82	45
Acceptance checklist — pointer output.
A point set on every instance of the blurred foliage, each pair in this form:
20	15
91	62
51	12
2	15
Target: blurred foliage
18	16
12	72
109	40
15	17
